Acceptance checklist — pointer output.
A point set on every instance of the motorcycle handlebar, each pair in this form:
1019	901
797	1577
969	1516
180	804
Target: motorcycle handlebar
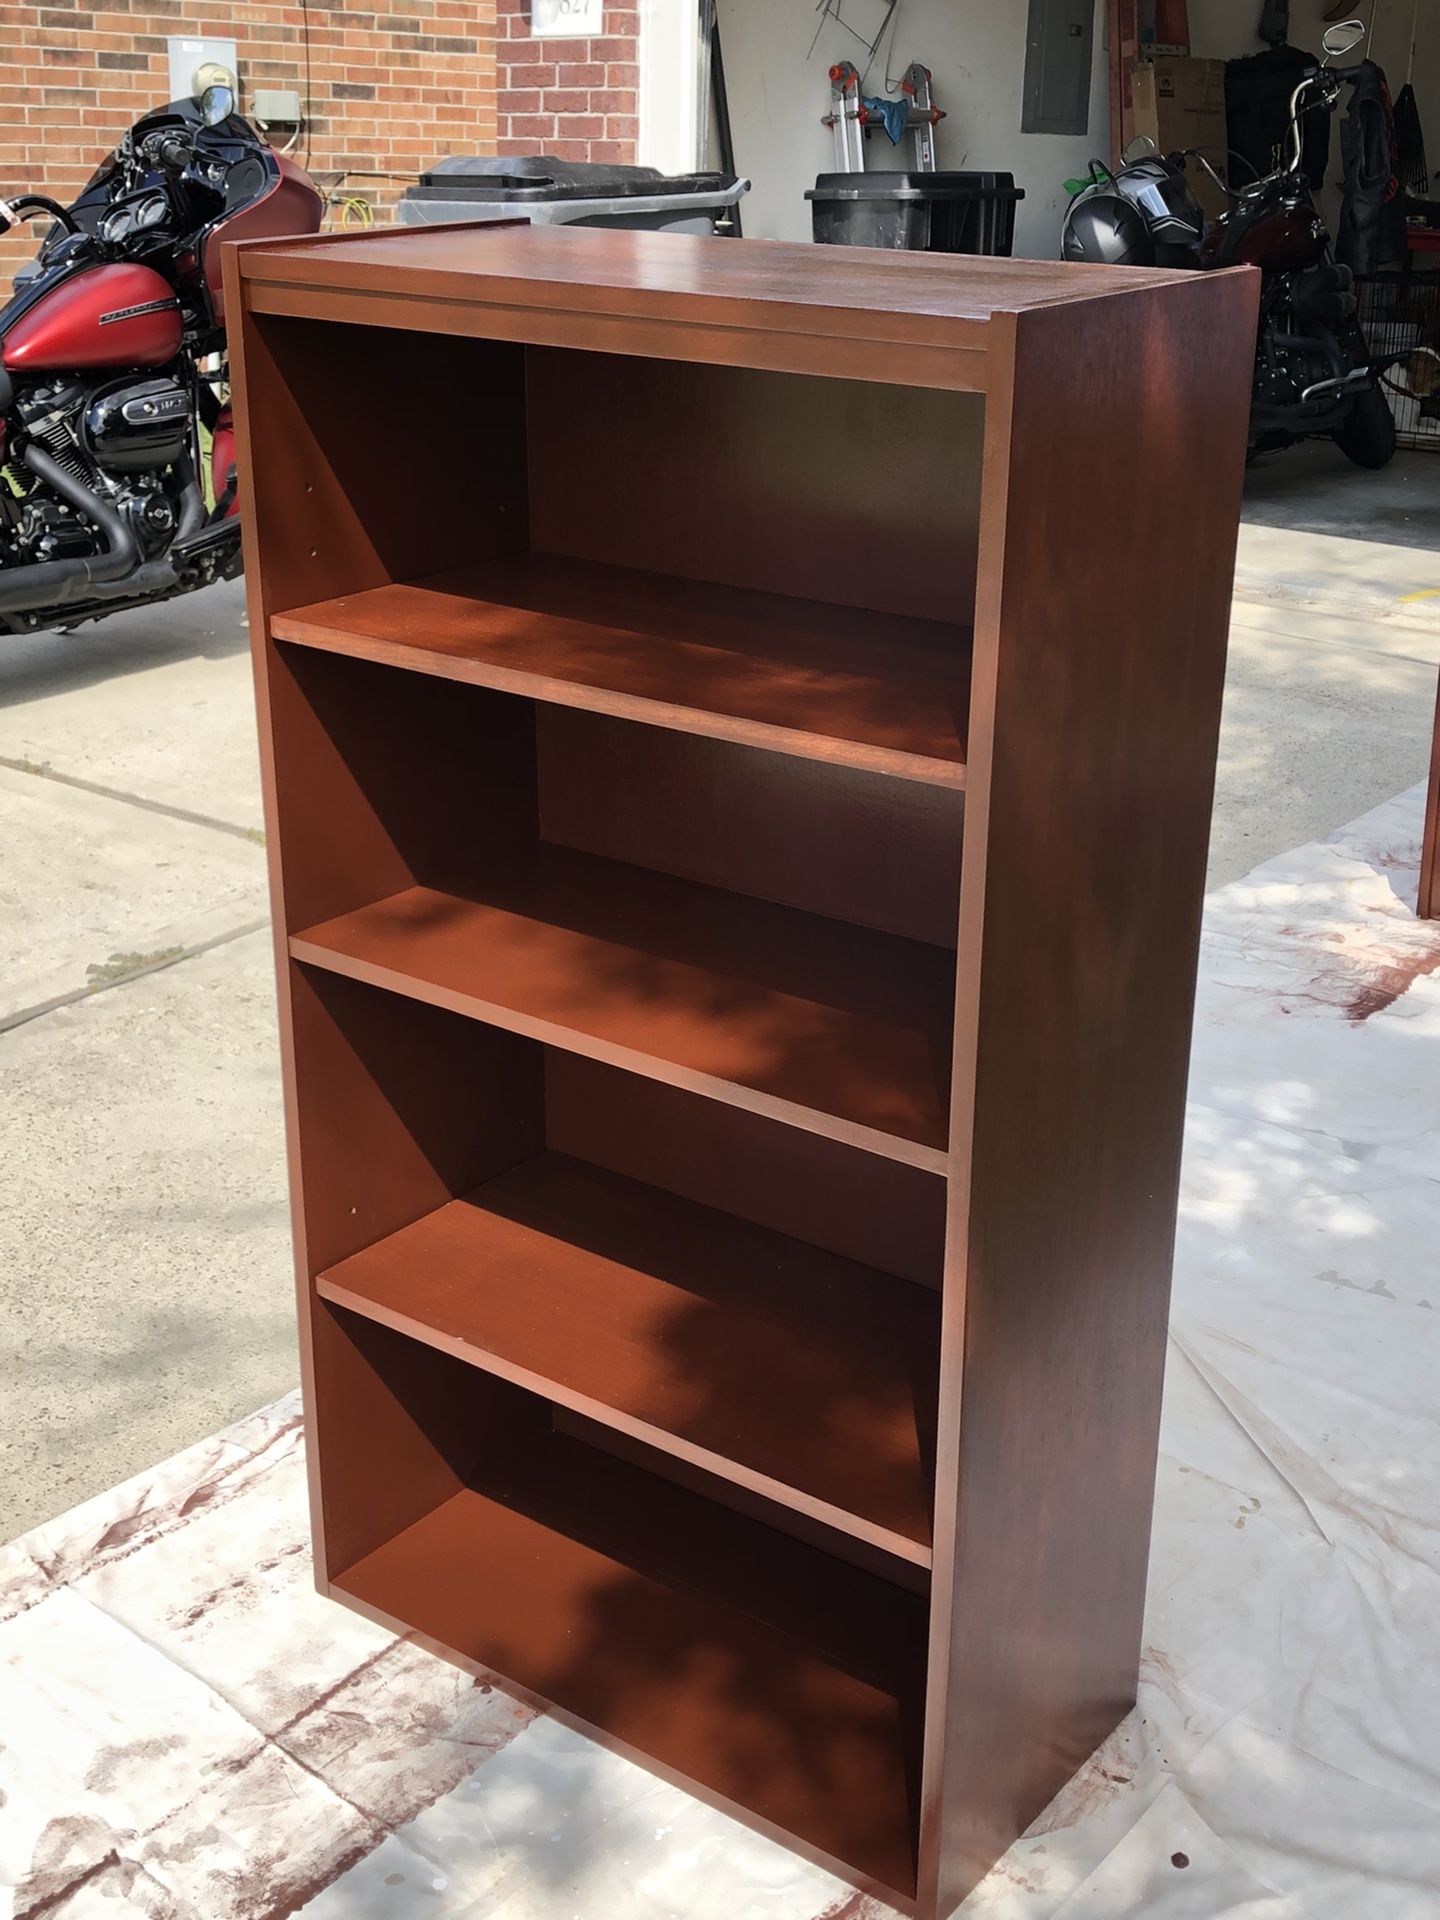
1325	79
171	149
16	209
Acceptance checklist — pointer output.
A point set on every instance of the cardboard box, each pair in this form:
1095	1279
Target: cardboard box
1180	103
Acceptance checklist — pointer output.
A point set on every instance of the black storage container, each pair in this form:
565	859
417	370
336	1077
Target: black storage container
580	193
926	212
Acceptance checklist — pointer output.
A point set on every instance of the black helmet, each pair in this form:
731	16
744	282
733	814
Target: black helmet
1104	229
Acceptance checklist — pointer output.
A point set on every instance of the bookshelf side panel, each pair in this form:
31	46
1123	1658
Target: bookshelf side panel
1099	665
371	457
357	466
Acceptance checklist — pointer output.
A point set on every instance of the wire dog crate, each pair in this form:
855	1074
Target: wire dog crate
1400	311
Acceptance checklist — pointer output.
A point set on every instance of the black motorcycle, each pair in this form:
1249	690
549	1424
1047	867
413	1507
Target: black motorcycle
1314	373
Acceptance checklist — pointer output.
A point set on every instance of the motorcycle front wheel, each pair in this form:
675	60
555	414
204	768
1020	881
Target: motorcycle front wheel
1368	436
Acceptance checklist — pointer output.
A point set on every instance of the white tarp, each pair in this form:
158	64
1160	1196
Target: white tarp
188	1733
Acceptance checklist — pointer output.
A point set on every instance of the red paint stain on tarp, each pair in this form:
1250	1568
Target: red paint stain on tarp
856	1906
1390	984
1109	1771
60	1867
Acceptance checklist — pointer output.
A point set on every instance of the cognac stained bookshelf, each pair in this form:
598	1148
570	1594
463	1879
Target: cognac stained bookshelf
738	724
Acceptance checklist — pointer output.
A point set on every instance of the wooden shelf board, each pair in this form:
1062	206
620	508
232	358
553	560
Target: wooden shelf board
800	1376
827	1026
881	692
788	1690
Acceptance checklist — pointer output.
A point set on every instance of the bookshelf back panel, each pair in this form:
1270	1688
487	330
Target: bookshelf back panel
838	490
856	1204
829	839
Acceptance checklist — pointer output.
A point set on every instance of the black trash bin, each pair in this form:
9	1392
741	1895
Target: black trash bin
926	212
581	193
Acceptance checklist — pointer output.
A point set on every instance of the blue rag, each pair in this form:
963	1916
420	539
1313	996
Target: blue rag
892	114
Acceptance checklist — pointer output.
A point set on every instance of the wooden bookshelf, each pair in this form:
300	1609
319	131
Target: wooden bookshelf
738	818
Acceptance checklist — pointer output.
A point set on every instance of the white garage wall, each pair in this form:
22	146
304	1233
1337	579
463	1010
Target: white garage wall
669	86
976	51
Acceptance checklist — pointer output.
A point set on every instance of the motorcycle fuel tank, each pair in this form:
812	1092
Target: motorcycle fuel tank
1281	239
121	315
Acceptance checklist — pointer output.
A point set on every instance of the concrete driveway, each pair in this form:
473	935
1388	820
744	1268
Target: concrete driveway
145	1286
144	1252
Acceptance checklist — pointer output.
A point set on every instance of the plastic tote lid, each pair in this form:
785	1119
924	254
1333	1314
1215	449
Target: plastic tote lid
538	177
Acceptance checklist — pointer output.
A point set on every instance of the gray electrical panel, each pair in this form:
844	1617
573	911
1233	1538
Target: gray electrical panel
187	53
1057	67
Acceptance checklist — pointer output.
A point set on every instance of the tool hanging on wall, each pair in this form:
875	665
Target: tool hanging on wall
852	113
832	10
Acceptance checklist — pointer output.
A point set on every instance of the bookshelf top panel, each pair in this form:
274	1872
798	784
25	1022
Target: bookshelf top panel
821	309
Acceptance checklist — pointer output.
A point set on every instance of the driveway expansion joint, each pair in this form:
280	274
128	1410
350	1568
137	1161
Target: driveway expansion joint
42	770
103	982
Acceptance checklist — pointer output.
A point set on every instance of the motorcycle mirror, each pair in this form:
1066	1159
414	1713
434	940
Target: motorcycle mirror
216	104
214	87
1344	35
1142	147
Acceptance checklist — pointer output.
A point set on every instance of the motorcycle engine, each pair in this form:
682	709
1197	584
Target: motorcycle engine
137	425
117	440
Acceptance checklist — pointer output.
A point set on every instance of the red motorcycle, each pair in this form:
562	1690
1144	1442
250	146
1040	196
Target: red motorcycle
112	358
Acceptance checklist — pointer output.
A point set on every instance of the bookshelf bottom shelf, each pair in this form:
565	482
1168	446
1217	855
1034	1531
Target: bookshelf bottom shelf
735	1659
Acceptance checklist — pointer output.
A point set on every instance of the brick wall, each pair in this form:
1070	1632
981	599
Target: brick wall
575	99
392	86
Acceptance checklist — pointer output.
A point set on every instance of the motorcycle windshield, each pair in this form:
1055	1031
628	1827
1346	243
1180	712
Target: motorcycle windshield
106	170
